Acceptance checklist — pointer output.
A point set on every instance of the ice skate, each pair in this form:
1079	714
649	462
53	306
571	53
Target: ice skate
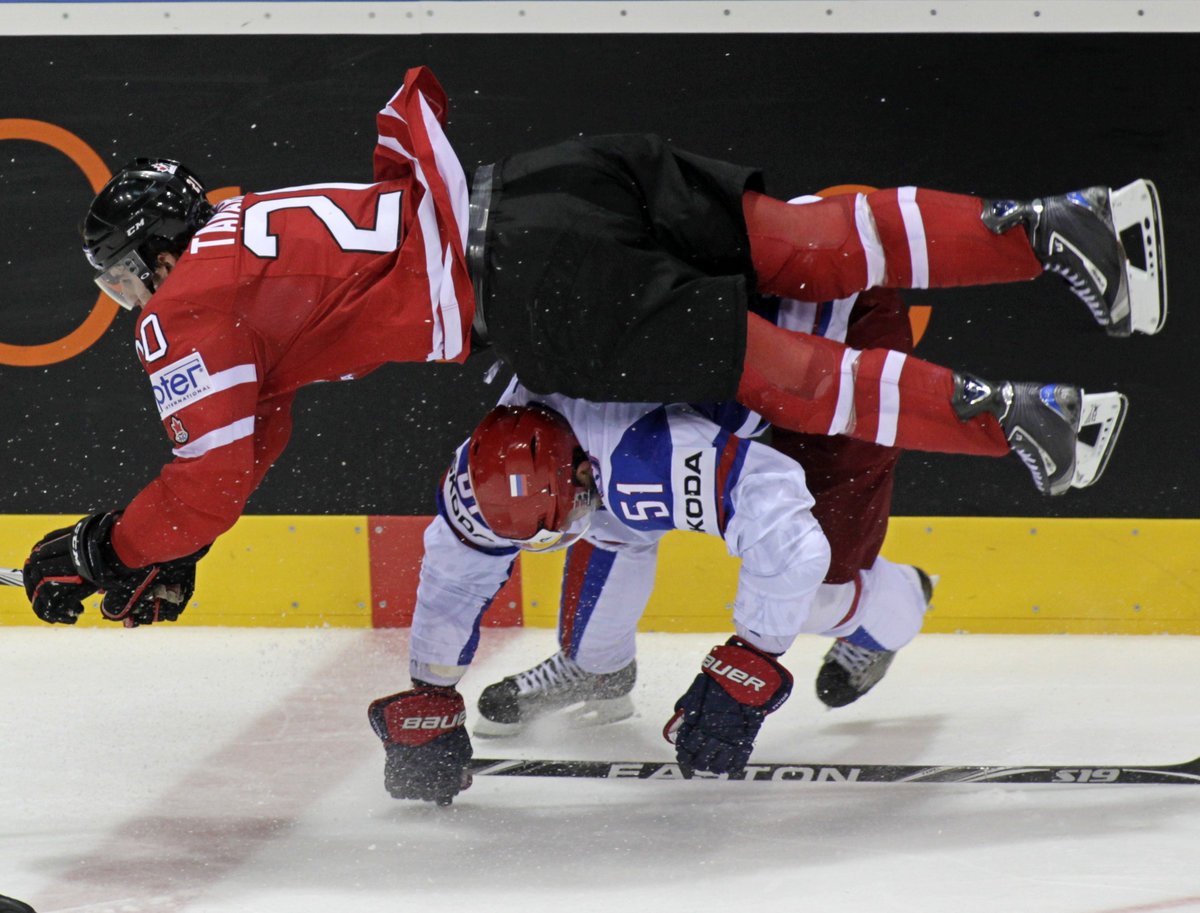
1107	245
1044	423
557	683
850	671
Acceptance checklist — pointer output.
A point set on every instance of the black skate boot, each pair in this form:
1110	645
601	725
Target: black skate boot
1076	235
506	706
1042	423
849	671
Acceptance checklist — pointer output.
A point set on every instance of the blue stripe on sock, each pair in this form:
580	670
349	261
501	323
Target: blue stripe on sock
598	568
860	638
472	644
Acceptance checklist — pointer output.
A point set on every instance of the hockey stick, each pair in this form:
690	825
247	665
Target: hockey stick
11	577
1187	772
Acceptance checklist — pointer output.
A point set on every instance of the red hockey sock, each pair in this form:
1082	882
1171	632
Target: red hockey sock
811	252
902	401
941	241
902	238
814	385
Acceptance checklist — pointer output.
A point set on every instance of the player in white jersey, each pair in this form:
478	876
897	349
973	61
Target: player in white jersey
610	480
602	595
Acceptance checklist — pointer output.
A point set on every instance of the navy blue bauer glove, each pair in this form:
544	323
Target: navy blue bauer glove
425	741
718	718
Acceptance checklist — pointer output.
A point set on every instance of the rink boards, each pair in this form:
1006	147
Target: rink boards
997	575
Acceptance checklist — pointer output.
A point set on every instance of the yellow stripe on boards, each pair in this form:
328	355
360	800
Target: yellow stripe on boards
997	575
305	571
1011	575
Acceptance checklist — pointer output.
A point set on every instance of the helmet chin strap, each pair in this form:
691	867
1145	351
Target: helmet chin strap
162	268
585	475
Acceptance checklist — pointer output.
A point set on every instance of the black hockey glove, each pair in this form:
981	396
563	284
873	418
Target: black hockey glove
70	564
718	718
426	743
55	587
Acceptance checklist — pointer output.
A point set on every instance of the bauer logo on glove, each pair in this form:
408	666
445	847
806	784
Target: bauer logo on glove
445	723
425	742
718	718
734	676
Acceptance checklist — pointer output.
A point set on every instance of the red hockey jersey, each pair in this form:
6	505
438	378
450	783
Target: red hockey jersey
288	287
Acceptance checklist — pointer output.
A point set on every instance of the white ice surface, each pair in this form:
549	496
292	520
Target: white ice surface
233	771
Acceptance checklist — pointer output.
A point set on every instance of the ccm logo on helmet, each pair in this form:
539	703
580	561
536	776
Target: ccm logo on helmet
434	722
181	383
718	669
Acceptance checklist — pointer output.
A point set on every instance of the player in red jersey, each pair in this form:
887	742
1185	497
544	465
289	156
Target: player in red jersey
613	268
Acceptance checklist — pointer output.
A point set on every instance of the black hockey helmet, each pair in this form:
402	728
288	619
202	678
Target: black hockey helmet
148	207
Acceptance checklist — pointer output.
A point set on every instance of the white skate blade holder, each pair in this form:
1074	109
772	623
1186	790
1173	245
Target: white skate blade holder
1137	214
580	715
1105	412
600	712
490	729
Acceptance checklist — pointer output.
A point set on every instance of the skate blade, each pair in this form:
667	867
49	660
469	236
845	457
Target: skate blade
490	729
1137	217
580	715
600	712
1105	412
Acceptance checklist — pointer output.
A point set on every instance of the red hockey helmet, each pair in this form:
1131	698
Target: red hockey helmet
521	461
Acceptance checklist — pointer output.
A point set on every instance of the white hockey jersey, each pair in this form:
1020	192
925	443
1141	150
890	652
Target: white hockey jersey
657	468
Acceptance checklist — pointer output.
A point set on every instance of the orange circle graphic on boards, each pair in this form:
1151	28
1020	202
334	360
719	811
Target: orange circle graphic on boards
104	310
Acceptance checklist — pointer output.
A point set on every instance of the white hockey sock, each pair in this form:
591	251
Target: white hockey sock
886	602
